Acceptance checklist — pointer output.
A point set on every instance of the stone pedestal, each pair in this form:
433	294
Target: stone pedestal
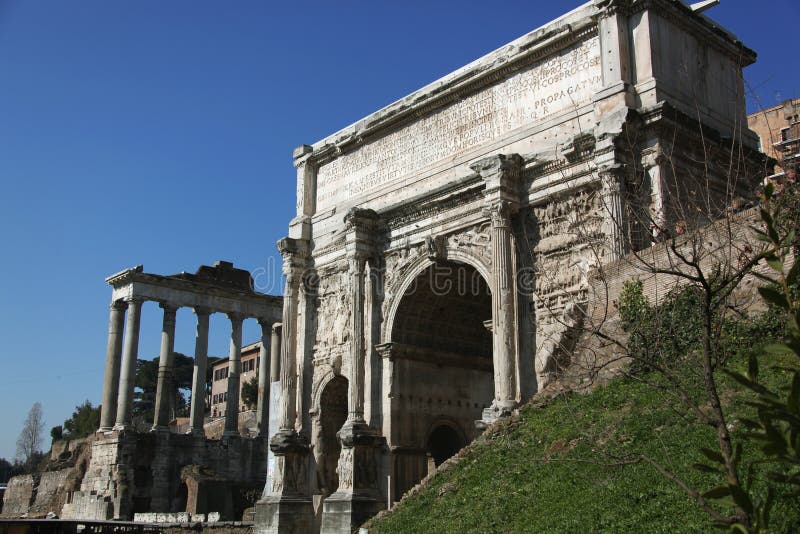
286	507
358	497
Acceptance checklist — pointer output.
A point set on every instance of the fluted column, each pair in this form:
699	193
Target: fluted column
286	505
262	406
503	307
198	406
130	353
614	224
355	390
165	391
503	177
358	496
288	402
234	373
116	324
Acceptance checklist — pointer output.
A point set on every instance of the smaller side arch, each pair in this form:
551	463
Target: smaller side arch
444	439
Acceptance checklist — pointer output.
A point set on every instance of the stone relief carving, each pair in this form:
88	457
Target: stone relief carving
333	311
569	243
475	240
556	338
290	475
345	469
435	246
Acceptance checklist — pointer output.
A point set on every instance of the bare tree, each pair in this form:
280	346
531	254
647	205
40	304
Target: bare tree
703	236
29	443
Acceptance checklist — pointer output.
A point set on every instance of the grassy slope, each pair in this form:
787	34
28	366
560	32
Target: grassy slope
504	483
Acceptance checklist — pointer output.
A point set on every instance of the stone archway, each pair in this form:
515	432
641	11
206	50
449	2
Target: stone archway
444	441
441	350
332	415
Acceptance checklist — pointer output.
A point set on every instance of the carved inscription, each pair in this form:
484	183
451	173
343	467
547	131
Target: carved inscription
552	85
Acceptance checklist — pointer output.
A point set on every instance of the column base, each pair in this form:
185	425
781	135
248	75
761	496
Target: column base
494	412
344	513
287	509
283	515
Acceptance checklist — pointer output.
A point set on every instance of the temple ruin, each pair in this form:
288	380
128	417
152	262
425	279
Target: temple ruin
131	472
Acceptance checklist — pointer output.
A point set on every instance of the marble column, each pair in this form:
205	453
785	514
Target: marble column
358	496
262	406
503	308
286	506
116	324
292	272
130	353
614	225
166	362
198	406
234	373
355	390
503	177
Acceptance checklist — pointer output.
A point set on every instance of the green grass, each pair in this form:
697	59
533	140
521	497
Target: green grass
505	482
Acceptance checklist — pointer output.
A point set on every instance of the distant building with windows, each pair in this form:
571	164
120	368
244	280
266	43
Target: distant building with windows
219	379
778	130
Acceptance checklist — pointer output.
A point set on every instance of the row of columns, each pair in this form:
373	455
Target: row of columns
120	370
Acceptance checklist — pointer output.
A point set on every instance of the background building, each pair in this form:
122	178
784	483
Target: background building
778	130
219	379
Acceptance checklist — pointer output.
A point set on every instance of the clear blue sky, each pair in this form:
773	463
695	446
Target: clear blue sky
161	133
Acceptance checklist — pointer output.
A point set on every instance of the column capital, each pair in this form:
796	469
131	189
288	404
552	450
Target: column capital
200	310
265	323
502	174
135	300
276	327
120	304
356	263
290	248
652	158
500	213
168	307
364	232
612	177
236	317
497	164
293	251
361	219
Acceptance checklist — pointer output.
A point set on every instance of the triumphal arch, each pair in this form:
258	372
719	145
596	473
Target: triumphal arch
441	247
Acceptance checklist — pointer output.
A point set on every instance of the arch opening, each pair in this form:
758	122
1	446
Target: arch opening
441	345
443	443
333	414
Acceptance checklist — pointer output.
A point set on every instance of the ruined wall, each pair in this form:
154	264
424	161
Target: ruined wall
46	491
19	495
140	473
